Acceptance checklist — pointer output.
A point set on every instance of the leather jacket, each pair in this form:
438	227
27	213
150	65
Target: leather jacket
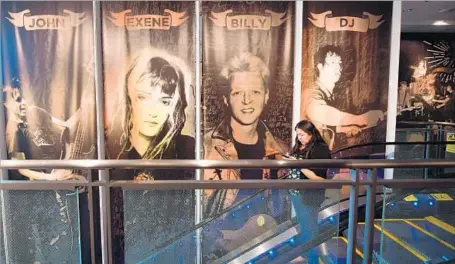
219	145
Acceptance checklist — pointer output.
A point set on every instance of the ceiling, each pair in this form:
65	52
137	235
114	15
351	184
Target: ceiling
419	16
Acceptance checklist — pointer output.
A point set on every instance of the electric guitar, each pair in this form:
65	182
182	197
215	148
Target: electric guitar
74	148
349	132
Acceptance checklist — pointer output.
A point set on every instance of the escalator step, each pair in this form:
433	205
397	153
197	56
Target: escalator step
427	244
394	250
441	224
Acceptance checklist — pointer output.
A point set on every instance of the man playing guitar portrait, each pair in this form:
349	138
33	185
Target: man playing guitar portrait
320	105
33	133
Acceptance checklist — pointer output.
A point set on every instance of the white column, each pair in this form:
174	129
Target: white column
393	83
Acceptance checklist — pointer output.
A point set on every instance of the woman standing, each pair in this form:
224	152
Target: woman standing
308	145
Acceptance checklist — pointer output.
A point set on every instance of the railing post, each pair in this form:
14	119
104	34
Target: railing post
91	218
198	137
353	206
426	153
104	192
369	217
440	151
439	138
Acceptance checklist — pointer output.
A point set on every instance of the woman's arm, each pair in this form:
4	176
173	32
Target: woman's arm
311	175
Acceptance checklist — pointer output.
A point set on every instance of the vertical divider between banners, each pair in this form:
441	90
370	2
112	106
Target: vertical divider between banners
99	103
297	72
198	65
297	66
3	156
393	84
3	173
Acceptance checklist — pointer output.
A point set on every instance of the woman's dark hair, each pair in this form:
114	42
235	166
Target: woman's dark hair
309	128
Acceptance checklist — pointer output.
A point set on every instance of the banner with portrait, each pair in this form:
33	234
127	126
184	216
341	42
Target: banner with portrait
426	78
247	88
49	102
345	65
148	59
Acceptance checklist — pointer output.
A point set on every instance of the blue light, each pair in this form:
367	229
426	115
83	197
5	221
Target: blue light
431	203
181	244
415	204
248	206
392	205
445	258
292	240
262	198
233	214
331	219
271	253
251	262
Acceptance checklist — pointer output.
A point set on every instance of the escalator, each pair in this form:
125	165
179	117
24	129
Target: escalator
263	242
412	226
410	229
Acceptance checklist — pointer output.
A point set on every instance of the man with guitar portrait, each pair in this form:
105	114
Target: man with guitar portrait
33	133
320	101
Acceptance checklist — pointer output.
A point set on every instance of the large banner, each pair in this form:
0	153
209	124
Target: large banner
148	53
48	95
426	79
345	65
247	87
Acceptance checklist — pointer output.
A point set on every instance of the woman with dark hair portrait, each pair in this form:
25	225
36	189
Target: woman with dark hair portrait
308	145
152	116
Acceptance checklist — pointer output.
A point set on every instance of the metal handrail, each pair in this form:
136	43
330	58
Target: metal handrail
237	184
232	164
442	142
426	123
354	183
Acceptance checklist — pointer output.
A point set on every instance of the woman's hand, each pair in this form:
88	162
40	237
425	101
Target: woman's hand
288	157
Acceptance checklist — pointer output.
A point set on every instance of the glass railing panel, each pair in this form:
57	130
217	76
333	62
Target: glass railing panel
311	224
153	218
418	228
449	151
262	225
43	226
144	220
310	204
257	217
412	151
